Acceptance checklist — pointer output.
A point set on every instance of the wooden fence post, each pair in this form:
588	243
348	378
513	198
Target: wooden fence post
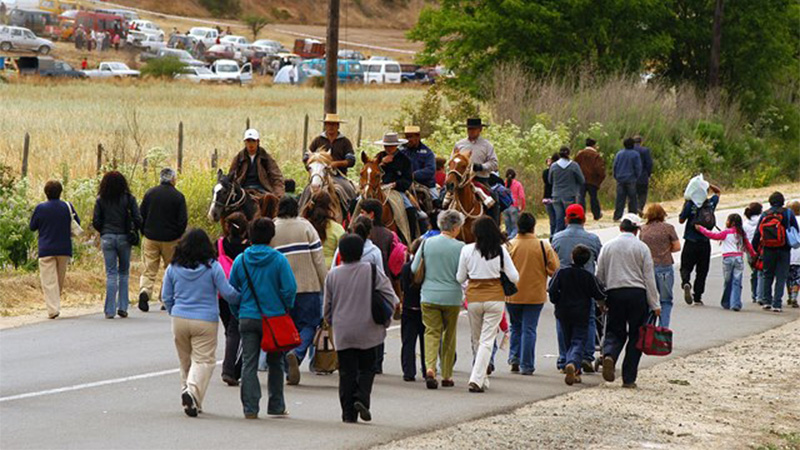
358	136
215	159
305	135
25	152
99	157
180	147
247	126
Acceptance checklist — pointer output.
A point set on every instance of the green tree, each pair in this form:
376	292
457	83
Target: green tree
256	23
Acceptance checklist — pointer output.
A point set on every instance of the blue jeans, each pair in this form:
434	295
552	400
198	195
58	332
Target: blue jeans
575	334
524	320
251	332
665	280
117	257
776	272
307	316
588	343
560	205
756	282
732	269
551	213
510	217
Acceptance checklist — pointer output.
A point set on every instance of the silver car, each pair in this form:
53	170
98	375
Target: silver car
18	38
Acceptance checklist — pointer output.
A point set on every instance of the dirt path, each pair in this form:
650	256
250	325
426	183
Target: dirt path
743	395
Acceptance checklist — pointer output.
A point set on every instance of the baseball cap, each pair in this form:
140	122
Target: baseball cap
251	134
575	212
633	219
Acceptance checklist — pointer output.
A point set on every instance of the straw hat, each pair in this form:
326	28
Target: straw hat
411	129
332	118
390	140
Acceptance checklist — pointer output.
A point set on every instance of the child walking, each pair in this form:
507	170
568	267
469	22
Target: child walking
752	214
793	282
734	243
571	291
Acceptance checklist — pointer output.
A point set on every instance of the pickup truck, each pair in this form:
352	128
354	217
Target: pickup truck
112	70
228	71
47	67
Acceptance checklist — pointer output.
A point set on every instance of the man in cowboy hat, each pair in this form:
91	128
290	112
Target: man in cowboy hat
397	172
334	141
254	169
484	162
423	161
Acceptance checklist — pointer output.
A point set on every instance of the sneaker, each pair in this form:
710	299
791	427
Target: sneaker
109	316
144	299
490	369
587	366
229	380
293	379
570	377
251	416
736	309
284	413
687	293
766	307
53	316
777	310
189	404
474	388
608	369
448	383
698	302
526	372
629	385
514	367
794	305
409	379
363	411
122	313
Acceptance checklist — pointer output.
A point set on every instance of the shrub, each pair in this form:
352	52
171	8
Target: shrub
166	67
17	241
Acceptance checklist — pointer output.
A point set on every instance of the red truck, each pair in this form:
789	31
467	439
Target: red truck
309	48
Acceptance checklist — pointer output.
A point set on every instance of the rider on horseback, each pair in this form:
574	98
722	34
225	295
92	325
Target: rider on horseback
423	161
398	174
484	162
334	141
255	170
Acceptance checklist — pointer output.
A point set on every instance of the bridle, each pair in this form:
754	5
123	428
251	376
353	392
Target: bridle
227	205
464	180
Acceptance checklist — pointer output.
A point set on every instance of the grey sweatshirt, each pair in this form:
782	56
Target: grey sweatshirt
626	262
567	179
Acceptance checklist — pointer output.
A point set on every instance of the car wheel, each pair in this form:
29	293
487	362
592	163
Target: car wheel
44	50
373	82
5	46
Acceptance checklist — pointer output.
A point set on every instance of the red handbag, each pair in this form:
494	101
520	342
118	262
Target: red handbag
654	340
279	334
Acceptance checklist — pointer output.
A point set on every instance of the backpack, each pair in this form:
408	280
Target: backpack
504	197
704	216
773	233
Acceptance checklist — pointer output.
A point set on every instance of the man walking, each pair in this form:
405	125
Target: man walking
593	167
643	183
696	247
771	239
563	243
625	268
627	170
567	180
165	218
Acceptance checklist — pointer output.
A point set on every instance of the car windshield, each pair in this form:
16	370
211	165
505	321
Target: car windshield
118	66
204	71
199	33
64	66
227	68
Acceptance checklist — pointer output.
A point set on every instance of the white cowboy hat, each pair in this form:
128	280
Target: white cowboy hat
251	134
332	118
390	140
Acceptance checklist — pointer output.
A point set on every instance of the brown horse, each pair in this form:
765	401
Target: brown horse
464	197
229	197
370	184
320	177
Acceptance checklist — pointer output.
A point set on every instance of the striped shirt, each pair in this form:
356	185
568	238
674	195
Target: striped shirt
299	242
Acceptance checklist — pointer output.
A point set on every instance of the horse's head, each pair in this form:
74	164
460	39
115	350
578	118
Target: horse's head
318	166
459	170
371	174
223	191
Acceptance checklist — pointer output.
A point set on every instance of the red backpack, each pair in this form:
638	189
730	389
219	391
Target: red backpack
773	233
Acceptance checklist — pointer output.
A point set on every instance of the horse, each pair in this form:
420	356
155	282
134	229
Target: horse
371	187
465	200
321	177
228	197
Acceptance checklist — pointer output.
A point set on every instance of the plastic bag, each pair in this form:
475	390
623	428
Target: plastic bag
696	190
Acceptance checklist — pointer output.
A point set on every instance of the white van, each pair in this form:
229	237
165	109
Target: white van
381	72
207	35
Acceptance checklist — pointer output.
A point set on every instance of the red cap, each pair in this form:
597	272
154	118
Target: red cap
575	212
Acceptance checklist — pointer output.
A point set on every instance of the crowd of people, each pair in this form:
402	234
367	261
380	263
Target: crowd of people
304	264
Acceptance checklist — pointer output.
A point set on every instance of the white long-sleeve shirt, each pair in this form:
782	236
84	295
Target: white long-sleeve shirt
473	266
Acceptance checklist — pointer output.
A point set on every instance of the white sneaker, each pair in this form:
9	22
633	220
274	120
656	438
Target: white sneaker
777	310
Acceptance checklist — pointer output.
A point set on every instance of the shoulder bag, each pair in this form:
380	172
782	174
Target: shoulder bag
279	334
544	257
654	340
509	288
419	275
382	309
133	232
75	229
325	359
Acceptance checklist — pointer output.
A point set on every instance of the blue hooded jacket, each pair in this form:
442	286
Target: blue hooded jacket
192	293
272	278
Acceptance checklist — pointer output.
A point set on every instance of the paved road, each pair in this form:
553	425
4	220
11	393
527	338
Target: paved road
88	382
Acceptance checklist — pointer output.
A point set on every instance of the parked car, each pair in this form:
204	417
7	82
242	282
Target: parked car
182	41
240	43
381	71
309	48
146	27
268	46
207	35
182	55
222	51
100	22
147	42
18	38
413	73
349	70
47	67
229	71
351	54
35	20
112	69
198	75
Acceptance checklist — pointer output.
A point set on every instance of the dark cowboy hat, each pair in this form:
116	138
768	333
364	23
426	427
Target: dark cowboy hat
475	122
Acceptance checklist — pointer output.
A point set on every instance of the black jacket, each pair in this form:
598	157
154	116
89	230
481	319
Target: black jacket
116	217
571	291
398	171
164	213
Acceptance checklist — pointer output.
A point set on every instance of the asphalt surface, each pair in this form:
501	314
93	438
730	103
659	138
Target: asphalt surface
89	382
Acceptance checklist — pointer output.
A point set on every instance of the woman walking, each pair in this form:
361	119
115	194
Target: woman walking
229	246
320	214
265	280
734	243
116	217
547	198
567	180
441	296
349	289
189	291
511	214
535	260
662	240
482	263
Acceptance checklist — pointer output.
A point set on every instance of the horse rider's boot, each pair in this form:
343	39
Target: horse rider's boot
448	197
413	224
487	200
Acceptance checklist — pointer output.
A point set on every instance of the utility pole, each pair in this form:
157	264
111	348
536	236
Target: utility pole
332	57
716	47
